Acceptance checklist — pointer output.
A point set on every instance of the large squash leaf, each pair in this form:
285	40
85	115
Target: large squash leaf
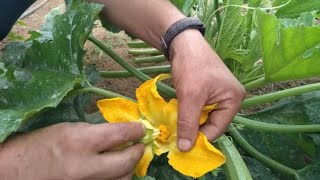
291	48
311	172
259	171
39	74
232	31
296	7
294	150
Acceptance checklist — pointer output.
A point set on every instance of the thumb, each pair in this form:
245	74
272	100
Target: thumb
189	111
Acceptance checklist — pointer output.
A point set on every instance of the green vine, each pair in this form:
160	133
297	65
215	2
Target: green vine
165	89
267	98
280	128
261	157
126	74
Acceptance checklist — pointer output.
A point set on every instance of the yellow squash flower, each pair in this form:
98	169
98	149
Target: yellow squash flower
161	117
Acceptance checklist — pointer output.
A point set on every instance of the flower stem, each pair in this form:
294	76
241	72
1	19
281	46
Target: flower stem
102	92
165	89
266	98
217	13
279	128
255	84
146	51
258	155
146	70
149	59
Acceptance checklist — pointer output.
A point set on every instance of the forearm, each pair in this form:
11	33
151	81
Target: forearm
10	11
146	19
5	171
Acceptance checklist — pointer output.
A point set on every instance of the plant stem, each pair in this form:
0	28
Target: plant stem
150	59
33	9
137	44
279	128
165	89
126	74
266	98
258	155
255	84
102	92
146	51
217	13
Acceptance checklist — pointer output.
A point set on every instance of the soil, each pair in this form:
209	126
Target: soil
104	62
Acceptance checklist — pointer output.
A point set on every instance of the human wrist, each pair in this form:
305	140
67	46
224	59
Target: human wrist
185	42
158	31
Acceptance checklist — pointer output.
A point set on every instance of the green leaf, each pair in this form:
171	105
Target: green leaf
235	168
310	173
293	150
178	3
259	171
184	6
232	31
296	7
143	178
40	74
66	111
291	50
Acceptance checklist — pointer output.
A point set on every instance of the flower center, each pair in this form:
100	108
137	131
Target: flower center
164	133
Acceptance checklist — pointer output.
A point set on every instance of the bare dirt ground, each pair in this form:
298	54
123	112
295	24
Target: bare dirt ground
104	62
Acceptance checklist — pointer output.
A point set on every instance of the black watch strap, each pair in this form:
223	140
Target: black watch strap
178	27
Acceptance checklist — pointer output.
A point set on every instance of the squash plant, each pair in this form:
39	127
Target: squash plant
43	81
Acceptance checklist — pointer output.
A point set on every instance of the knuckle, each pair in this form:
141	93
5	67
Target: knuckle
185	126
71	140
122	131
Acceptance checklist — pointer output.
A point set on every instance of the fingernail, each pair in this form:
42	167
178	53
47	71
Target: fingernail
184	144
144	128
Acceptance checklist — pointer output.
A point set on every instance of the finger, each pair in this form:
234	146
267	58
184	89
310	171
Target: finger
112	165
126	177
110	135
218	122
189	111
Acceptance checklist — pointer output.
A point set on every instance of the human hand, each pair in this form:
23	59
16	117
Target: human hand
201	78
73	151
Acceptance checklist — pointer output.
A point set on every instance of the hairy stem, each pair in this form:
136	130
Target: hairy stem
255	84
217	13
165	89
150	59
279	128
261	157
137	44
102	92
146	51
266	98
126	74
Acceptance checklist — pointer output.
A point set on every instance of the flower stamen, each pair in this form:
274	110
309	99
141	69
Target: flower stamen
164	133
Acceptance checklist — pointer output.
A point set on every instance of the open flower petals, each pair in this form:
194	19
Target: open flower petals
170	116
142	167
205	112
119	110
150	103
202	158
